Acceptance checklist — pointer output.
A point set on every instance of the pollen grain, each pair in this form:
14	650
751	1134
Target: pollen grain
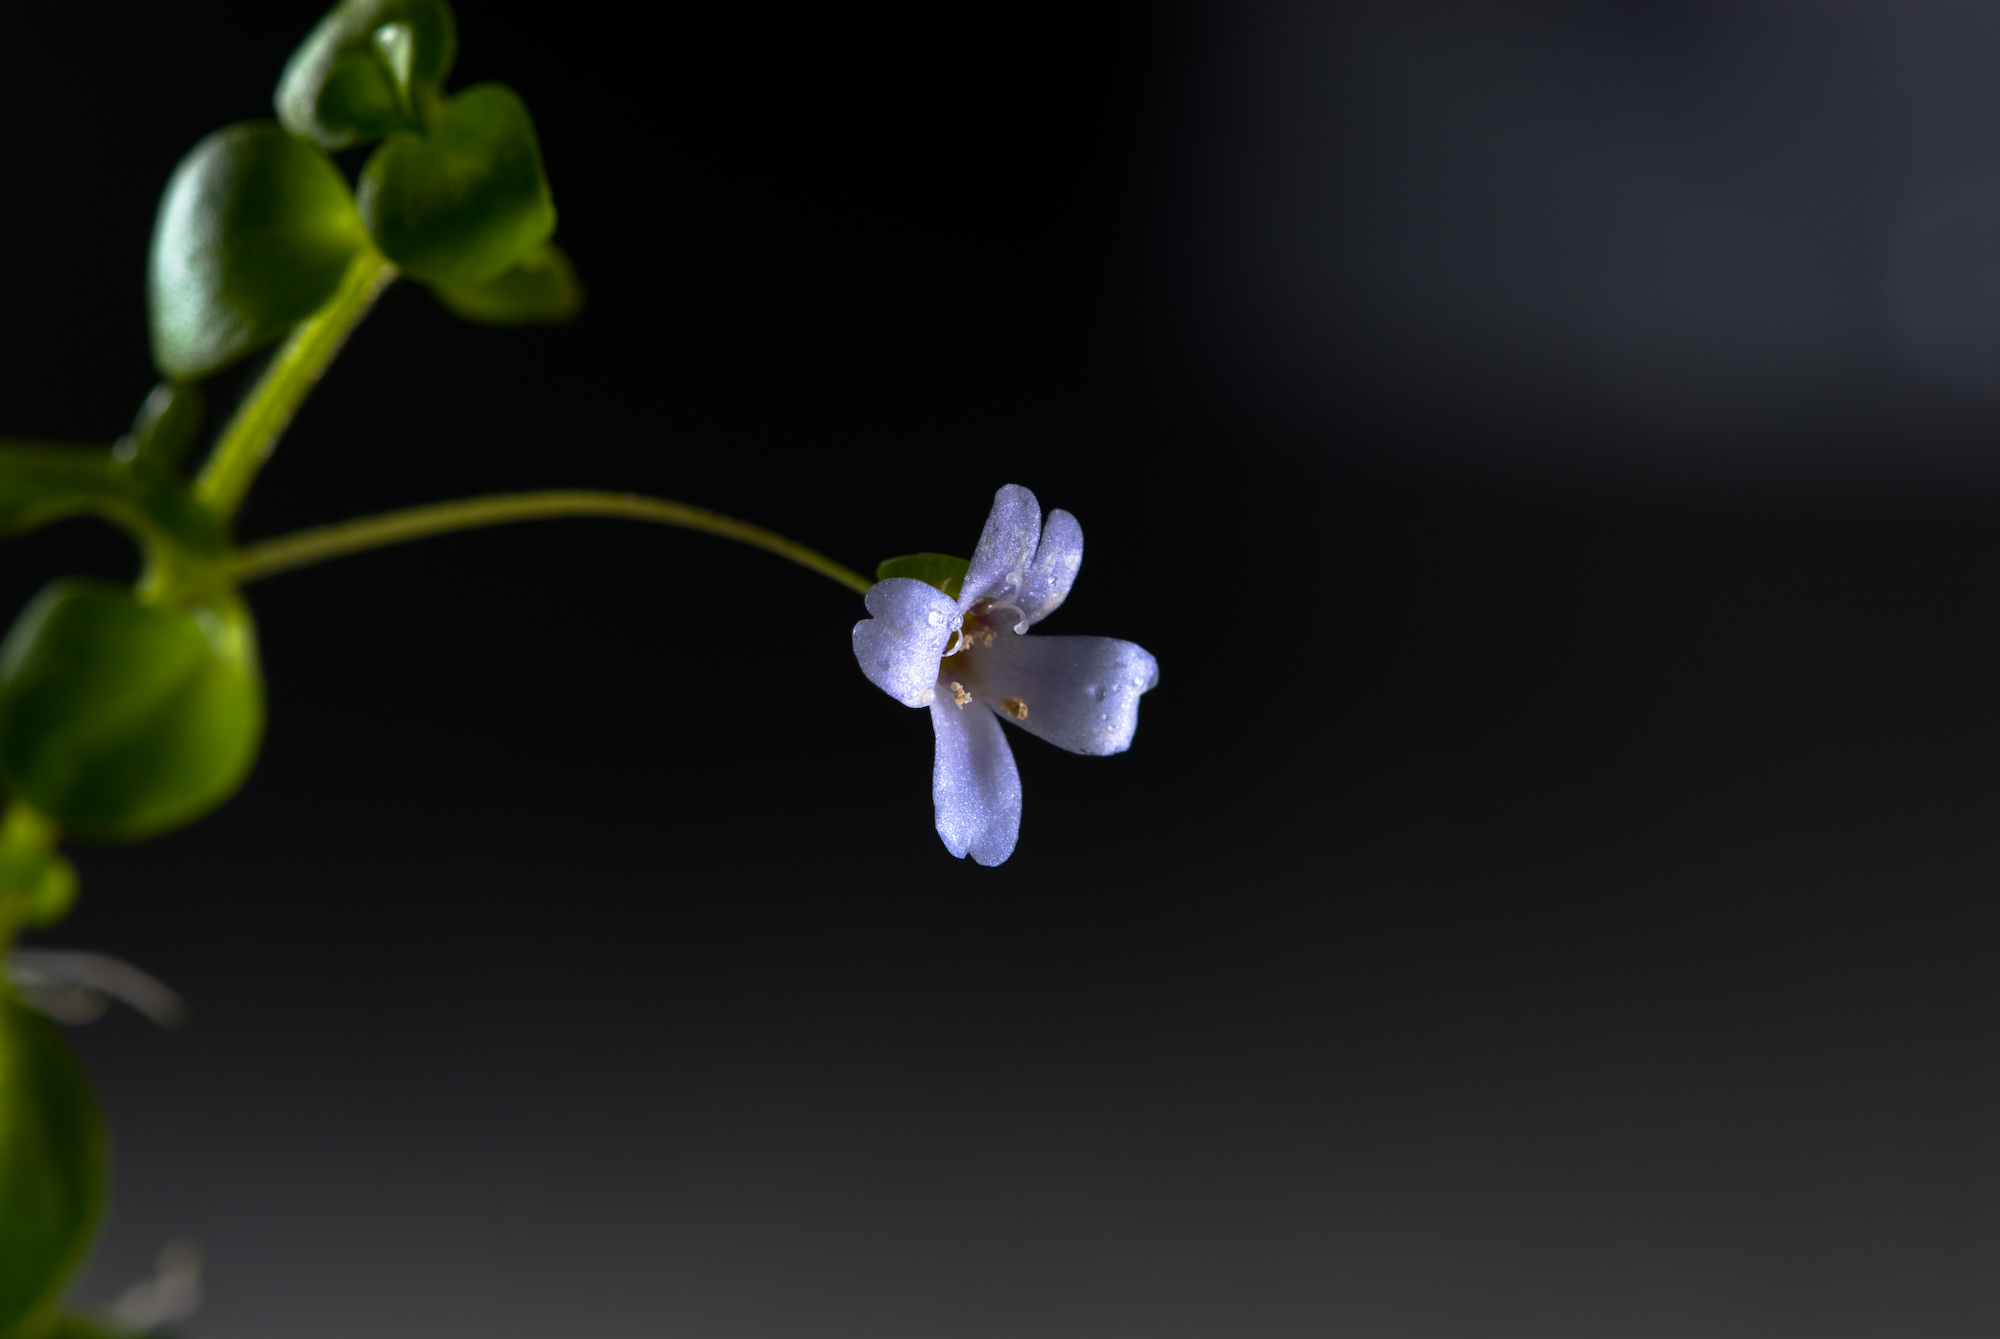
959	695
1015	707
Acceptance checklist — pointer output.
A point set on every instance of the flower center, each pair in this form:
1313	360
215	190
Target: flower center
974	632
961	678
1013	587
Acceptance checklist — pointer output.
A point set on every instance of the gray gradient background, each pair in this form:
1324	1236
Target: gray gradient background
1554	452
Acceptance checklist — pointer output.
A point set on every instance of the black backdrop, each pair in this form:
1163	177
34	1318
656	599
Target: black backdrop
1549	894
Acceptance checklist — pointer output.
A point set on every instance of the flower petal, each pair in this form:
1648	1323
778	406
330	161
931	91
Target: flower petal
1006	548
1079	693
899	648
1053	571
974	787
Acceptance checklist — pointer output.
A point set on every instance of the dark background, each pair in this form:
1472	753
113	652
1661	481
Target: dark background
1554	453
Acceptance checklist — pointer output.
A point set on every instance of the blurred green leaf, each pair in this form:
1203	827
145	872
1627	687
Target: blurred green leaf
933	569
122	719
254	233
538	289
41	483
349	81
52	1165
459	205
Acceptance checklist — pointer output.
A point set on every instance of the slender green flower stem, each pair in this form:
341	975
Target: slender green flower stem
441	518
267	410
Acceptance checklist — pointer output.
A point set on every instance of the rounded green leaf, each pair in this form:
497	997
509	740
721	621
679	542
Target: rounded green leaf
350	81
538	289
121	719
254	233
52	1164
462	203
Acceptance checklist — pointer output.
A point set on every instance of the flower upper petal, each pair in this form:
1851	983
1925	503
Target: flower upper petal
1006	548
899	648
974	788
1079	693
1053	571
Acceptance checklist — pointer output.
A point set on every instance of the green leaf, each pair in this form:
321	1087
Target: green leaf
351	81
933	569
254	233
41	483
120	719
538	289
462	203
52	1164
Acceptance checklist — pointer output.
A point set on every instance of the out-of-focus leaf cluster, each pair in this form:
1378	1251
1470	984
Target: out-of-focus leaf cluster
258	225
129	711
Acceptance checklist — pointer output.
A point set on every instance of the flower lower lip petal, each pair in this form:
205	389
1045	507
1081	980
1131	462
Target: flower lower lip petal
975	789
1079	693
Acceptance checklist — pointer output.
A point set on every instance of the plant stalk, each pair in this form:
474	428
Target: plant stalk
267	410
272	556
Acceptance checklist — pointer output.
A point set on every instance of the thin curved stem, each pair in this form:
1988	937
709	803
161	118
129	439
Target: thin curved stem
440	518
267	410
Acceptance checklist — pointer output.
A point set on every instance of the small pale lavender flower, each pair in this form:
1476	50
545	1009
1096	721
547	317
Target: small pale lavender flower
971	663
